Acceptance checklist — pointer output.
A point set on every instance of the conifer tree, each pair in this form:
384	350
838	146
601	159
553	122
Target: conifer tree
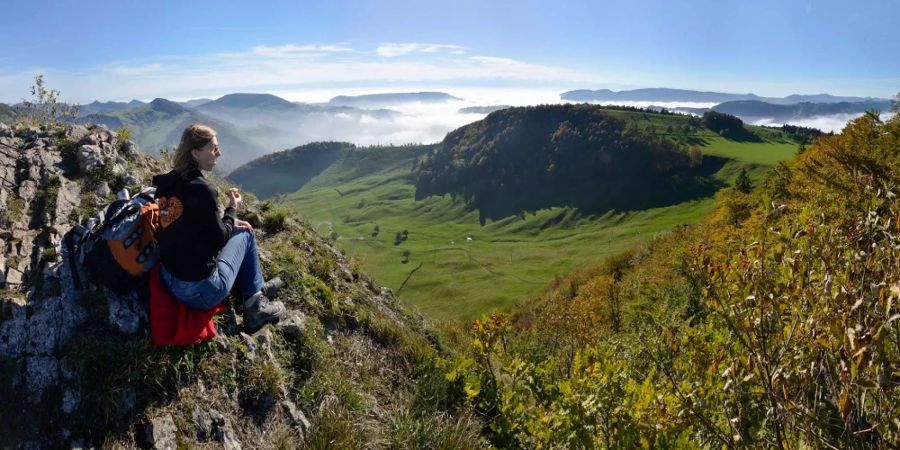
742	183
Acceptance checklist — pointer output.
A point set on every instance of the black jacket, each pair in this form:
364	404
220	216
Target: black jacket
191	232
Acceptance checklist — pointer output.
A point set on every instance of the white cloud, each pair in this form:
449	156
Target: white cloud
146	69
390	50
507	68
290	66
293	50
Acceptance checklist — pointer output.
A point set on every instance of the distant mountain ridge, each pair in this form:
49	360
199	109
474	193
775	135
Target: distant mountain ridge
482	109
381	100
195	102
160	123
247	101
782	113
686	95
97	107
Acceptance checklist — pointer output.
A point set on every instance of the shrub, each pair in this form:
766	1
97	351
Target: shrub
44	106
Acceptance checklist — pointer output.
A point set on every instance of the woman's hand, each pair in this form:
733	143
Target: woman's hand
242	225
234	198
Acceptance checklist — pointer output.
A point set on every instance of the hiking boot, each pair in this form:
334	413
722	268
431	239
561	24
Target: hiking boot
270	288
259	310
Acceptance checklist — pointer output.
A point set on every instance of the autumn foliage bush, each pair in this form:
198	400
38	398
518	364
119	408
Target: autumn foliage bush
774	324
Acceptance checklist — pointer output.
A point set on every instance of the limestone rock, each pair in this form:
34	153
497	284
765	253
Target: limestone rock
89	157
125	311
214	426
40	143
131	150
161	433
41	372
132	179
204	425
5	130
77	132
223	432
296	415
13	329
292	325
252	348
33	133
90	139
67	199
44	326
106	135
27	190
14	276
70	401
103	189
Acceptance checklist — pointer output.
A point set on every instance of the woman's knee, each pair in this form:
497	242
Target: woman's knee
243	232
247	235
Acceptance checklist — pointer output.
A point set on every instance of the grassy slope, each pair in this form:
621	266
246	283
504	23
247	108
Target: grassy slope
504	261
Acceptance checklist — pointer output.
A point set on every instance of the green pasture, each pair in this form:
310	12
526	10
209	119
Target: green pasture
451	267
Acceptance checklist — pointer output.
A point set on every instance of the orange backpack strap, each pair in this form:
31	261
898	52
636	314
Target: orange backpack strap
150	218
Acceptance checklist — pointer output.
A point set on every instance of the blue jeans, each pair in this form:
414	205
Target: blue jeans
237	261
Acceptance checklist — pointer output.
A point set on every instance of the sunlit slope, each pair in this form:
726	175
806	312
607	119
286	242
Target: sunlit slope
456	268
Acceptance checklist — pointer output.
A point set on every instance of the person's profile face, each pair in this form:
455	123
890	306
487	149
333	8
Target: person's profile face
206	157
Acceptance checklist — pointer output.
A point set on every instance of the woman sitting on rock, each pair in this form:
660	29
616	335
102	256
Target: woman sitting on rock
203	253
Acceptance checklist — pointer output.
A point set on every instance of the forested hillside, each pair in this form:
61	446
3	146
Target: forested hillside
287	171
523	159
773	324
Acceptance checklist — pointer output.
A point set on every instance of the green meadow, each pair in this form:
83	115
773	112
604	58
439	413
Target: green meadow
449	266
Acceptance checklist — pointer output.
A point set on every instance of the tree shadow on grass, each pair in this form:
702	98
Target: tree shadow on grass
603	195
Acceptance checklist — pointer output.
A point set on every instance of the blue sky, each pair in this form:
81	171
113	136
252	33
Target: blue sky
118	50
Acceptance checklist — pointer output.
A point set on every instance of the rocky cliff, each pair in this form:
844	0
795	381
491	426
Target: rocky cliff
348	367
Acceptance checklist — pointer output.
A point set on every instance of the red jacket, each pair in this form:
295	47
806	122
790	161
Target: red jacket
172	323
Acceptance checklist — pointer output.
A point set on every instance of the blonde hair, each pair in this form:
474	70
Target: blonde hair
193	138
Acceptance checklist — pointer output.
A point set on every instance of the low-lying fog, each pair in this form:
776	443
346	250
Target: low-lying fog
417	122
833	123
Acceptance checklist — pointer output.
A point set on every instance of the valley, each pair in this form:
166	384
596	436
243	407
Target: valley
435	252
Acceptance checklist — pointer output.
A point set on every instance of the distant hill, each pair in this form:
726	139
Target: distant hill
749	110
523	159
827	98
97	107
482	109
686	95
7	113
160	123
244	101
653	94
288	170
382	100
195	102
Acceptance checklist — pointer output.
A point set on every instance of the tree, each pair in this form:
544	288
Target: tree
724	124
44	105
742	183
